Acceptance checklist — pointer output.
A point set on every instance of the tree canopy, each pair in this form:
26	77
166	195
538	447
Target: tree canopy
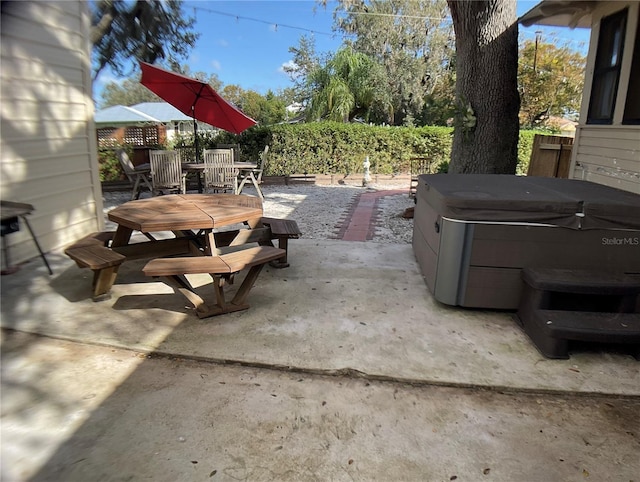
346	87
305	60
128	92
411	39
124	31
550	81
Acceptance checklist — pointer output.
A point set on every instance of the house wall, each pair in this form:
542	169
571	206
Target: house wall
609	154
47	140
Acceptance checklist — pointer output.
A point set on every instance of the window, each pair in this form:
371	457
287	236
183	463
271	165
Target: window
607	69
632	106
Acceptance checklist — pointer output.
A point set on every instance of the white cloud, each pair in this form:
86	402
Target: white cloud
222	43
289	64
216	64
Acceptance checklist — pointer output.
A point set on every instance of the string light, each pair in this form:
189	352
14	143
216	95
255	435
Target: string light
317	32
376	14
259	20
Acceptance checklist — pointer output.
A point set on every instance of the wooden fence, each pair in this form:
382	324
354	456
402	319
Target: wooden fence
550	156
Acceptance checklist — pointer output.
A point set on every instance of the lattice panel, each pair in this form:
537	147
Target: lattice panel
132	135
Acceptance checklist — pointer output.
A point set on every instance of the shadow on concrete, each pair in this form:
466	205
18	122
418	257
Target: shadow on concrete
344	367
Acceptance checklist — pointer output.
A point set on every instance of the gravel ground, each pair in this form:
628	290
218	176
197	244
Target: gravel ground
321	210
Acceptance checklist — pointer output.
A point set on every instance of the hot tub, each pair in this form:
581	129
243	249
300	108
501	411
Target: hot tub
473	233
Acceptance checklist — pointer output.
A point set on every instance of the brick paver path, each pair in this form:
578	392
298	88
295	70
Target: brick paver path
360	222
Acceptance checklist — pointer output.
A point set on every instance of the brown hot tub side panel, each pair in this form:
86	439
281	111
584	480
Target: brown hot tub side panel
477	264
515	246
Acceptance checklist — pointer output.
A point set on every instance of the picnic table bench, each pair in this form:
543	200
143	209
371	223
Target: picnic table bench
93	252
222	268
192	218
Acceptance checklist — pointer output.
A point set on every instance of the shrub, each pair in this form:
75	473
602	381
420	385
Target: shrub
525	145
110	169
330	148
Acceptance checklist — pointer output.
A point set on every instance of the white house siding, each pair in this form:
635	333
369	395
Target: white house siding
48	154
609	154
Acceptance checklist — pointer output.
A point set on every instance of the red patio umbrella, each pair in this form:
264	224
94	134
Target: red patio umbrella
194	98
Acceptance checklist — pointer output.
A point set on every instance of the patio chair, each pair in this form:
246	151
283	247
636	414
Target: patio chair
256	173
219	173
138	179
234	147
166	173
419	165
262	161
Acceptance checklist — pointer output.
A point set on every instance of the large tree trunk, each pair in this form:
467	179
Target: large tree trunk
486	87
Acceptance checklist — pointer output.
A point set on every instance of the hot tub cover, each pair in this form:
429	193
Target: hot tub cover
507	198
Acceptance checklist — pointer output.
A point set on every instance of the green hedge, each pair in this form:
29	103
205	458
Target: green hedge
337	148
525	145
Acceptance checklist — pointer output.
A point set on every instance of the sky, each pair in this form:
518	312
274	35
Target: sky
247	42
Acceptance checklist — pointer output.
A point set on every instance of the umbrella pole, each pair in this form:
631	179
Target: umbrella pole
195	142
195	137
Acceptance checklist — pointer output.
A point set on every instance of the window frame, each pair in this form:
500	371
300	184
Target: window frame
634	79
604	66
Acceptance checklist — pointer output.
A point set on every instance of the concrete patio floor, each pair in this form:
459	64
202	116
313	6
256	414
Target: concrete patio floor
344	368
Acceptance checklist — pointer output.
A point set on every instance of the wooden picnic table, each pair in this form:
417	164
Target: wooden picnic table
193	219
182	212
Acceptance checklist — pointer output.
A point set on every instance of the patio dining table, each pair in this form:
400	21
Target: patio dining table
193	218
246	168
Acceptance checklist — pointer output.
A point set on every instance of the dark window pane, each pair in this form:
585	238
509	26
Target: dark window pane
606	74
603	94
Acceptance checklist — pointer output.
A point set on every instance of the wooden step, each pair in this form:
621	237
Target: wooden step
590	326
581	281
551	330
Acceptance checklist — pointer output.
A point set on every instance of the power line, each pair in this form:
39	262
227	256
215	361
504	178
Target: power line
418	17
556	34
276	25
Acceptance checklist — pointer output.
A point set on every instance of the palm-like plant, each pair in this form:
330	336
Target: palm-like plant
349	85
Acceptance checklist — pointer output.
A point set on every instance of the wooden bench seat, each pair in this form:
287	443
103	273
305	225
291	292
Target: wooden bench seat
92	252
272	228
283	230
102	238
286	228
223	264
95	256
554	328
220	268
